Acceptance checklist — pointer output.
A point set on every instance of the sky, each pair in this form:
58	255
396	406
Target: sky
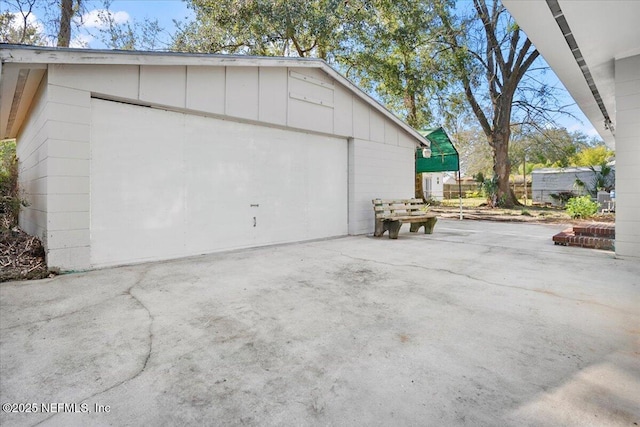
166	11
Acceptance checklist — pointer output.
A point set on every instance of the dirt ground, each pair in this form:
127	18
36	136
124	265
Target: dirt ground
528	214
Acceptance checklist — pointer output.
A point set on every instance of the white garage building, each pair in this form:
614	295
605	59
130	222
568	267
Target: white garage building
129	157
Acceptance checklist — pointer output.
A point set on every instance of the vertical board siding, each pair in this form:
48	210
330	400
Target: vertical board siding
121	81
361	126
242	92
206	89
311	101
342	111
376	123
273	96
165	85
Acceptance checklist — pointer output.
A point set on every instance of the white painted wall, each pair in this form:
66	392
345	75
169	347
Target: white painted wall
627	90
433	185
68	196
380	152
167	185
31	151
376	170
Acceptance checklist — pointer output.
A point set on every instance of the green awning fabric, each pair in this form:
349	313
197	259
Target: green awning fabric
444	156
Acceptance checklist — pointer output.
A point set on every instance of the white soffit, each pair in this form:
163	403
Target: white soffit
604	31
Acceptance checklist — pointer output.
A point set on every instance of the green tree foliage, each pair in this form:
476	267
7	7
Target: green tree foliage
304	28
553	147
130	35
10	200
475	153
17	25
590	156
53	27
392	51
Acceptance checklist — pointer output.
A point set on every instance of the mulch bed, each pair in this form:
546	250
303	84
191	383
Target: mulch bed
21	256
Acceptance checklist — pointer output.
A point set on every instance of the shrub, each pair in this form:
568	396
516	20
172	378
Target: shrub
562	197
490	191
582	207
10	200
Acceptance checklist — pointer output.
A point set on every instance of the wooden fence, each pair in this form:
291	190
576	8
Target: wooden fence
451	190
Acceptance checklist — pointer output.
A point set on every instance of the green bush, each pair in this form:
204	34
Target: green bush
581	207
10	200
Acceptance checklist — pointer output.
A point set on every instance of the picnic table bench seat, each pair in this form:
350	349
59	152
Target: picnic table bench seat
391	214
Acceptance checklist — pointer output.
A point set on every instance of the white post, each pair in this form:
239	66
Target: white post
460	193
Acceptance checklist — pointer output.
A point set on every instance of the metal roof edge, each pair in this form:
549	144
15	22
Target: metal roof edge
569	169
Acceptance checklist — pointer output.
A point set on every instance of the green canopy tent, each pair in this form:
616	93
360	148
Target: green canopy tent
442	156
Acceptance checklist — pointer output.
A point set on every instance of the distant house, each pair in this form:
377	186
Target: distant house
133	156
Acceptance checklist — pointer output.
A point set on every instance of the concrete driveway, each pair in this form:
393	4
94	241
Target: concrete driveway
480	323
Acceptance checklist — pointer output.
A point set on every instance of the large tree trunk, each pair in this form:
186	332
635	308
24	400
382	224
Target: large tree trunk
419	193
505	196
66	12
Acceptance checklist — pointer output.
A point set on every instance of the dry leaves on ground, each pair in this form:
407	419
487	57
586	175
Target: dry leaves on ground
21	256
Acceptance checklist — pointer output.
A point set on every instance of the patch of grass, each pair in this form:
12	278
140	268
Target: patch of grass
469	202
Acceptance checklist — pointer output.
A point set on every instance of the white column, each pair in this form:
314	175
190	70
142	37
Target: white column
627	131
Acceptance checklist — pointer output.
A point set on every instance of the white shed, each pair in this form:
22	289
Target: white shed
128	157
433	185
549	182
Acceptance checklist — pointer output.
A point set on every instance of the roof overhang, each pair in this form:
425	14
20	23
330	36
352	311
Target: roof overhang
604	31
22	69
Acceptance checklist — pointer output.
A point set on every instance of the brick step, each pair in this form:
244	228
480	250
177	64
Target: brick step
595	230
568	237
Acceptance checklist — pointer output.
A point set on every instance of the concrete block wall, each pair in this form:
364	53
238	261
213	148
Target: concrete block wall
32	155
627	83
376	170
381	165
68	213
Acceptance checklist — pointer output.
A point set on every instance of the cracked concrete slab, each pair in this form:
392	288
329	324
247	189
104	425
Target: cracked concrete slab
479	323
